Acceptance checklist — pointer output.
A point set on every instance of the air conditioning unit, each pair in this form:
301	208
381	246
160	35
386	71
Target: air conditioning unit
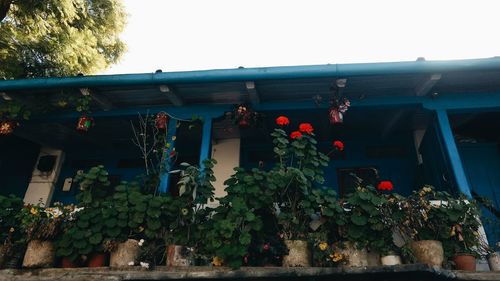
44	176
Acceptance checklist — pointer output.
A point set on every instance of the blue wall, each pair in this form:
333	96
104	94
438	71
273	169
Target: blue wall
401	169
85	158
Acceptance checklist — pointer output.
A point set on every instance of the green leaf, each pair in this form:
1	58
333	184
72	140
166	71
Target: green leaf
95	239
359	220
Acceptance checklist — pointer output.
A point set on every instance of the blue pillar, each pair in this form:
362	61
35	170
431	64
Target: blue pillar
170	140
452	152
206	140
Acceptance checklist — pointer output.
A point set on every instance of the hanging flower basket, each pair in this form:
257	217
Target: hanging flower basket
161	120
7	127
337	110
84	124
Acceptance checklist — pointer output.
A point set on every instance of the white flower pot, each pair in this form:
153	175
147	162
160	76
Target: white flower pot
390	260
494	261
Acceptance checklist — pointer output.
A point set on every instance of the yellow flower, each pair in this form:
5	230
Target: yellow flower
336	257
322	246
217	261
141	229
11	229
184	211
33	211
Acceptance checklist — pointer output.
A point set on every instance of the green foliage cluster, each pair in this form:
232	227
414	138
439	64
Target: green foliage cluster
59	37
13	110
434	215
286	199
9	221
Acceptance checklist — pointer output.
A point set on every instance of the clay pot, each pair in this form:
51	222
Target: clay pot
39	254
68	263
494	261
428	251
125	252
355	256
390	260
299	254
97	260
465	262
178	255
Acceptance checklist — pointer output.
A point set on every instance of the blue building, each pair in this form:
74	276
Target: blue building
414	123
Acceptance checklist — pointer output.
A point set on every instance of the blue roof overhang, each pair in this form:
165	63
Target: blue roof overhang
273	84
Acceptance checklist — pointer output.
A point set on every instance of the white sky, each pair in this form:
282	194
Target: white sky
190	35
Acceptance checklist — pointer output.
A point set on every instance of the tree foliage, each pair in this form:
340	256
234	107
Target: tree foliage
59	37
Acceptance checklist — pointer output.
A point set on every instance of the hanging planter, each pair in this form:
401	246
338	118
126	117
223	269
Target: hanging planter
7	127
161	121
245	117
84	124
337	110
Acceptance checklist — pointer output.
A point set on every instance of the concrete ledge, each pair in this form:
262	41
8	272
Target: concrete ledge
400	273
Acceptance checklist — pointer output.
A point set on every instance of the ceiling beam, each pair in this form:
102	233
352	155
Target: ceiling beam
426	86
252	92
172	96
101	100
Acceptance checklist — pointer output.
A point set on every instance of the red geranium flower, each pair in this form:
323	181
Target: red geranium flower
306	128
296	135
338	145
282	121
266	247
385	185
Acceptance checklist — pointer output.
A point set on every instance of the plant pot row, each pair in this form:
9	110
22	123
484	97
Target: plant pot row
41	254
426	251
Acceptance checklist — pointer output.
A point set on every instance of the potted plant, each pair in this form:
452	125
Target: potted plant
423	226
363	224
241	215
94	223
461	217
392	216
297	173
40	226
10	113
11	244
188	212
130	217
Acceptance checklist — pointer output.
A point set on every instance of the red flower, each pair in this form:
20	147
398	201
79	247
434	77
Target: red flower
338	145
266	247
385	185
306	128
296	135
245	259
282	121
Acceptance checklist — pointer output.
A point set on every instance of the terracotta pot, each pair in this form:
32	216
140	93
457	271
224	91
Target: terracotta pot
178	255
428	251
494	261
97	260
39	254
390	260
68	263
299	254
355	256
465	262
125	252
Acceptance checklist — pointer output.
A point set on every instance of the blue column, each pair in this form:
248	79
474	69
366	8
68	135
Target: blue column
206	140
170	140
452	152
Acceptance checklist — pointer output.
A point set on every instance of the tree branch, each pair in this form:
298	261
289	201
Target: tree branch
4	8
